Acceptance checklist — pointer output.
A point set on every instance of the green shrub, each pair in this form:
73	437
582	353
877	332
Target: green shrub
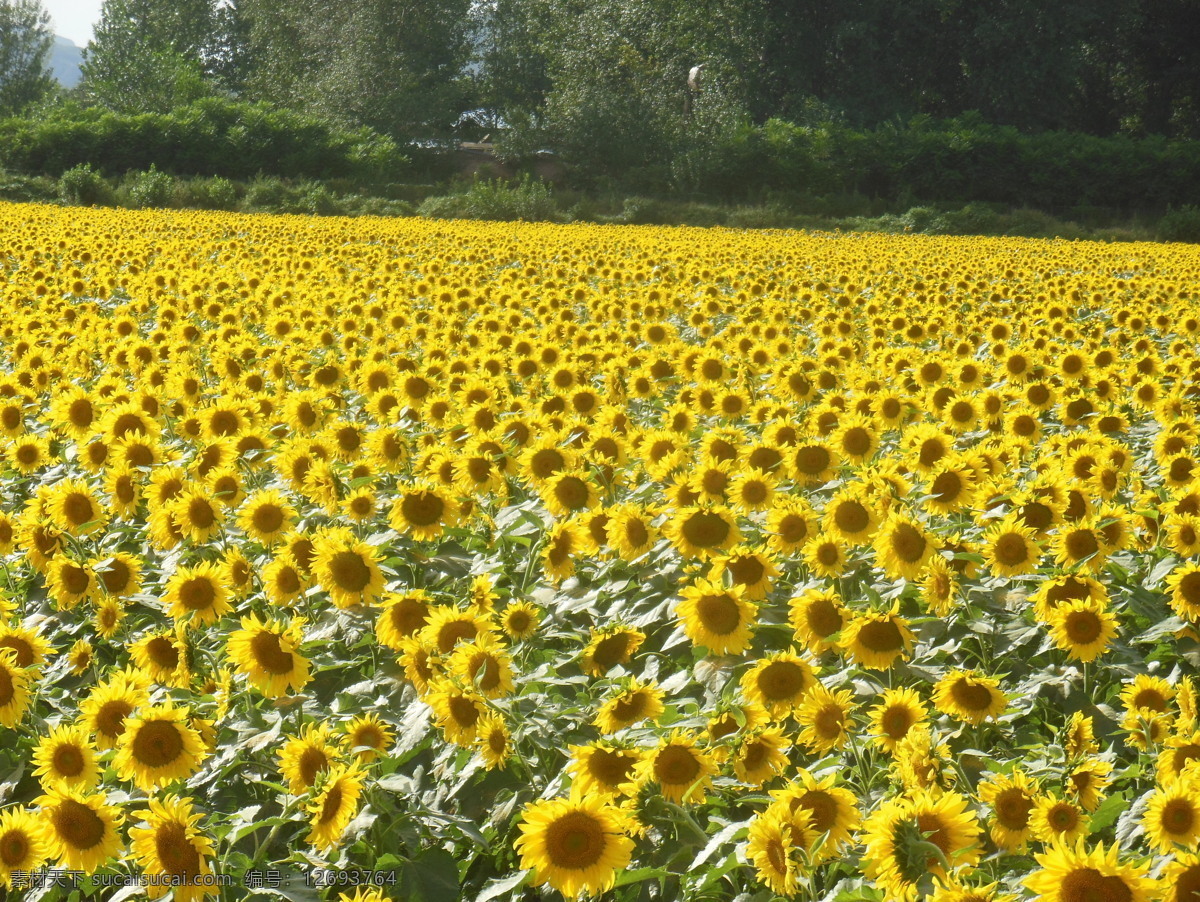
529	200
1181	225
444	206
211	194
83	186
151	189
27	189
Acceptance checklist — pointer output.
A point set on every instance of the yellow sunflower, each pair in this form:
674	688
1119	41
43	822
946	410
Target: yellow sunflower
634	703
1076	874
197	595
1083	628
81	830
824	716
602	769
172	850
969	697
682	771
1012	798
717	617
777	843
347	567
303	758
898	711
23	847
575	845
65	757
779	682
876	639
610	646
268	653
334	802
14	689
158	746
423	511
1057	822
1173	815
266	516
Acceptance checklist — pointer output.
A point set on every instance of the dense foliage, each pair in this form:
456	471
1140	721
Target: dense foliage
211	136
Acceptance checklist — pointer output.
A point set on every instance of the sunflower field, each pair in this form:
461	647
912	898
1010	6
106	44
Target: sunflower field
394	559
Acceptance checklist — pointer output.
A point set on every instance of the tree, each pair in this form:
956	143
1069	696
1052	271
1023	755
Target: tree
150	55
395	65
25	43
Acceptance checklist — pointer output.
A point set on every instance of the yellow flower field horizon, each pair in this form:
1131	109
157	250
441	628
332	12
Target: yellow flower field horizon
365	559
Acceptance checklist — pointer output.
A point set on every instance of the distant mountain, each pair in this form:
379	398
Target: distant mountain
65	58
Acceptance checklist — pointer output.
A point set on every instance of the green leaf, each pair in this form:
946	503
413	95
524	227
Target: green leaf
430	877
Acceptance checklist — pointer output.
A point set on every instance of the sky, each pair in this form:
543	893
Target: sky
73	18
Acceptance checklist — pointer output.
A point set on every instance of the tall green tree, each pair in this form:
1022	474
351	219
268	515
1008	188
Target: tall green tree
395	65
150	55
25	43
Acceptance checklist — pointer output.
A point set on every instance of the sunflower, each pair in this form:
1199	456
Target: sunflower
446	626
824	717
939	588
813	463
1056	821
969	697
65	757
851	517
1180	882
1148	694
1178	752
682	771
29	648
1068	587
635	702
458	711
565	541
750	569
81	830
163	658
14	689
790	524
367	736
832	809
483	663
716	617
157	747
23	847
817	616
1079	737
702	532
120	574
198	514
493	741
266	516
69	583
1009	548
779	682
347	567
423	510
520	619
268	653
602	769
1075	874
1012	798
74	508
1184	583
1083	628
777	842
923	835
611	646
104	711
903	547
404	615
197	595
922	761
172	850
825	556
1182	534
898	711
877	639
335	799
284	580
305	756
574	845
760	754
29	453
1173	815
